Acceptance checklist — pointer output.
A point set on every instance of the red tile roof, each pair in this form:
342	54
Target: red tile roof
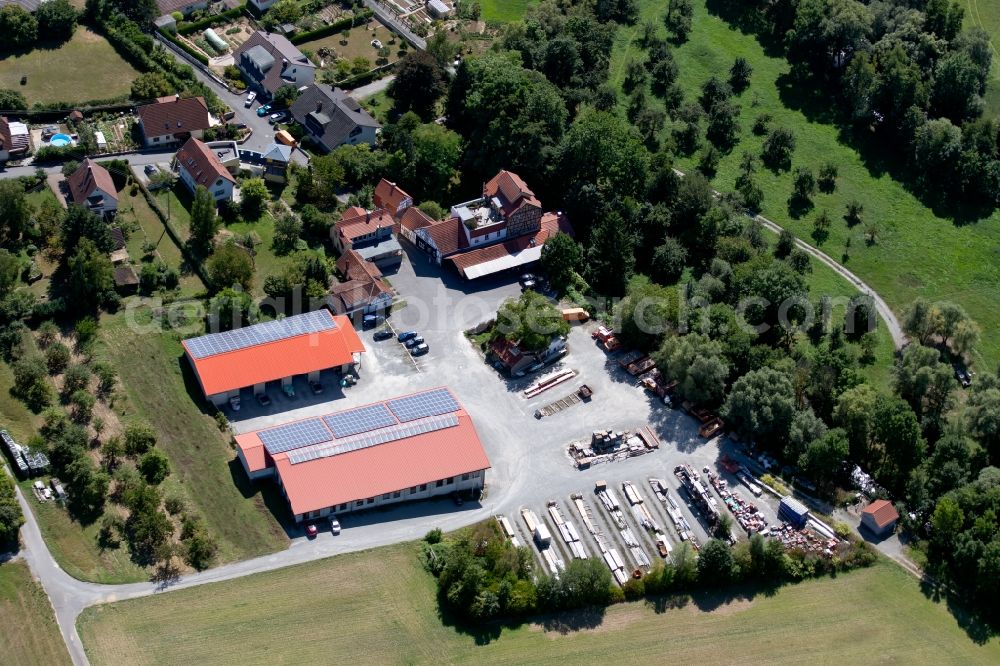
88	177
198	160
552	223
270	361
882	511
389	196
375	470
170	115
512	191
354	224
364	282
447	235
414	219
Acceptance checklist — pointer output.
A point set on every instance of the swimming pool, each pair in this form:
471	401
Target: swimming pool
60	140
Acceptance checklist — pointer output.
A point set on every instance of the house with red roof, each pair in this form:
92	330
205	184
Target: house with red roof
275	351
92	187
363	289
14	139
198	164
504	229
391	198
173	119
398	450
880	517
370	234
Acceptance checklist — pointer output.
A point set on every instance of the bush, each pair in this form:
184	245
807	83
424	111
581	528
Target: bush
76	378
154	466
139	438
57	357
434	536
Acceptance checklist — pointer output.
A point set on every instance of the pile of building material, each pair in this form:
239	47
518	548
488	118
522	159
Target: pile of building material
746	514
508	531
567	530
584	393
608	552
26	461
639	509
549	381
543	539
612	445
804	539
610	502
698	493
681	525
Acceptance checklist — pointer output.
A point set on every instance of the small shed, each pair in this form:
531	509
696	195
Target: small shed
102	143
438	9
126	280
880	517
793	511
76	115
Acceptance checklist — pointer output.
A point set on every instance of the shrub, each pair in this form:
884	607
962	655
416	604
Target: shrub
76	378
139	438
154	466
57	357
434	536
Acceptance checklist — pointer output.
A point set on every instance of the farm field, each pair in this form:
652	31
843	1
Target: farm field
504	11
56	74
30	636
383	607
158	383
917	253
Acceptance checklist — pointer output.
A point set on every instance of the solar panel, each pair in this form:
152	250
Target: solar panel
362	419
258	334
428	403
374	438
294	436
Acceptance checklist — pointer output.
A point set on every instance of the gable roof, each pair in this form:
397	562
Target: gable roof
364	282
330	114
289	352
414	219
173	115
390	196
512	191
268	50
89	177
27	5
278	152
447	235
13	135
201	163
359	222
516	252
882	512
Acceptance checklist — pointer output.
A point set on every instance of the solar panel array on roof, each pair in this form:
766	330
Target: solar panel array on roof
362	419
294	436
258	334
420	405
381	436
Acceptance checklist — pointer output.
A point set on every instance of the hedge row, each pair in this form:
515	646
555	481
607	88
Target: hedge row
185	249
336	26
362	79
185	28
184	46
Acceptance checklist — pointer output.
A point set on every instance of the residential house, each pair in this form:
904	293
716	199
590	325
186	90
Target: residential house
269	61
880	517
275	159
185	7
173	119
262	5
363	290
510	357
92	187
411	221
197	165
390	197
333	118
370	234
504	229
15	140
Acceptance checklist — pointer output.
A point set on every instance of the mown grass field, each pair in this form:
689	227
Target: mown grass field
30	636
82	69
379	607
203	466
918	253
986	14
504	11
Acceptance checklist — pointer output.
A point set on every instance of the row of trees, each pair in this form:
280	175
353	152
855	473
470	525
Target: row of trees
53	20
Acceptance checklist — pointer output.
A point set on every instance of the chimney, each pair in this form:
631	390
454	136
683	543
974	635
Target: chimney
319	105
284	63
177	97
368	217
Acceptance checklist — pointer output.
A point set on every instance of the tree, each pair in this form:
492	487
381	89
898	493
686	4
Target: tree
80	224
739	74
83	406
11	517
687	136
139	438
284	96
777	150
668	262
827	180
18	26
611	256
57	357
982	415
925	383
760	405
151	85
432	161
897	431
91	278
723	125
255	197
678	18
420	82
141	12
230	266
201	549
854	413
230	309
635	76
823	457
56	19
697	363
154	466
603	149
12	100
561	258
287	231
805	429
821	227
919	321
531	321
435	211
204	219
716	566
803	185
15	211
10	268
937	147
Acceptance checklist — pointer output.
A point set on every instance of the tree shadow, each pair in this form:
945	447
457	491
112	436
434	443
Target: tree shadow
799	206
979	628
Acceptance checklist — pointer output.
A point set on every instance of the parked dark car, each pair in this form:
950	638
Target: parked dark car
406	335
413	342
384	334
371	321
149	169
316	387
420	349
263	399
457	498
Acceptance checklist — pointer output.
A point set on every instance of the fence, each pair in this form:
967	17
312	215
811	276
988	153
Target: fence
387	16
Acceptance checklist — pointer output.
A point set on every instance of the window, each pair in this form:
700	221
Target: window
465	477
342	507
423	486
359	503
156	139
440	483
314	514
385	496
396	494
450	480
219	193
371	500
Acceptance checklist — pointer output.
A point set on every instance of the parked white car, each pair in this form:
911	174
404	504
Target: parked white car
376	43
250	98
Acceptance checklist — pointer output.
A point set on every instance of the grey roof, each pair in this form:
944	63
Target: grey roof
261	58
384	247
30	5
278	151
330	114
278	48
